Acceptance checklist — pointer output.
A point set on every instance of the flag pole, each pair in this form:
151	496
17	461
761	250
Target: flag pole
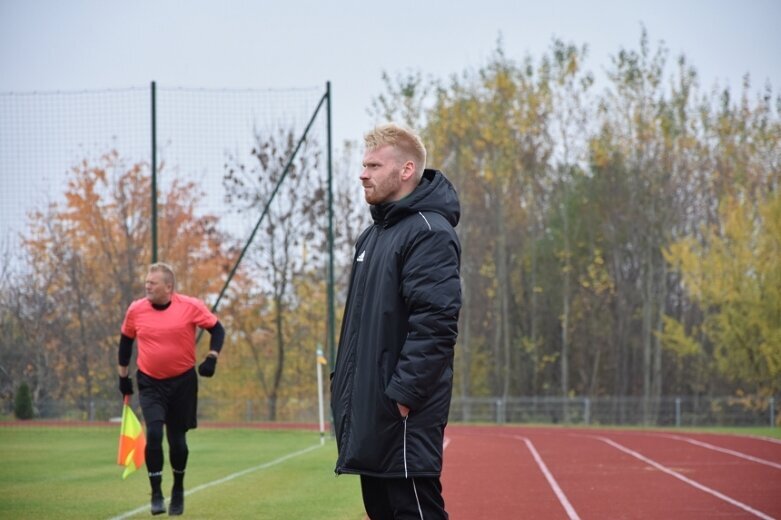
132	441
122	423
319	363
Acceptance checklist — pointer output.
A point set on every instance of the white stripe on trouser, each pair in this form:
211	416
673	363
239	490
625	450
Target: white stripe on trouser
417	500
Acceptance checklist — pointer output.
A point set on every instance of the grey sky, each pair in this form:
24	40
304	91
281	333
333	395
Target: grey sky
50	45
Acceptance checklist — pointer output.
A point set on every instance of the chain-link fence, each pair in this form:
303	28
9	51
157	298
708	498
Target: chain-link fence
685	411
45	135
664	411
83	212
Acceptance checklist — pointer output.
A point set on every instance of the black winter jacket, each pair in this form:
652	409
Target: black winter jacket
398	333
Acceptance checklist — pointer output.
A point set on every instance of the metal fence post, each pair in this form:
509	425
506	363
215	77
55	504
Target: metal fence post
587	411
772	412
678	411
500	419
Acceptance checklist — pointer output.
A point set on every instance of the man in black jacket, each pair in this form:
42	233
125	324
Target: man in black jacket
391	388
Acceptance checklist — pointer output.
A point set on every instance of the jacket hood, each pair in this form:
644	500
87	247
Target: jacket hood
434	193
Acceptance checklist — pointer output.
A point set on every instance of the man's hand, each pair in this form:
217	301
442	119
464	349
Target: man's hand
403	410
125	385
209	365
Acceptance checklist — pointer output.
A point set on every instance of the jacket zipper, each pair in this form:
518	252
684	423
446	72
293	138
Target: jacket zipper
406	475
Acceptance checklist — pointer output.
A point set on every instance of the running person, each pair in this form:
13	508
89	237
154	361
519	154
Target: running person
164	325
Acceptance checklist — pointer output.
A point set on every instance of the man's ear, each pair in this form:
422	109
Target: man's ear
408	171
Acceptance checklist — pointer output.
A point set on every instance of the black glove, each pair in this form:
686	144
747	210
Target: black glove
125	385
206	369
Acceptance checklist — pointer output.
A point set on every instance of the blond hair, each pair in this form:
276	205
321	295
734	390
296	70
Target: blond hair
168	273
407	143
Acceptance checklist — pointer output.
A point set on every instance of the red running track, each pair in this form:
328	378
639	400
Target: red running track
566	473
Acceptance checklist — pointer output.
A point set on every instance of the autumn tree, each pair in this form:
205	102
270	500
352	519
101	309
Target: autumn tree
569	198
86	257
734	275
292	243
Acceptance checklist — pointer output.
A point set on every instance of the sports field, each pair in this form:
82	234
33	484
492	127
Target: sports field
490	473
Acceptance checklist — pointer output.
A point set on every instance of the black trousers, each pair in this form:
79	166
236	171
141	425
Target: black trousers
418	498
173	402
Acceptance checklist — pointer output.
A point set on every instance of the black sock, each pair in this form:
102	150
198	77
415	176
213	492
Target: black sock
178	480
155	480
177	443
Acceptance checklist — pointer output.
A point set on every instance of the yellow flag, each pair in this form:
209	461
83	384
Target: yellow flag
132	441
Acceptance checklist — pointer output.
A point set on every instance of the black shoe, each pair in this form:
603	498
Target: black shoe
176	507
158	503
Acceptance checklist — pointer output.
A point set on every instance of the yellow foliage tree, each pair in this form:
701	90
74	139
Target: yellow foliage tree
734	275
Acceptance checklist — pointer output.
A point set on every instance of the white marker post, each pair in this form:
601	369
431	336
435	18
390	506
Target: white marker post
320	362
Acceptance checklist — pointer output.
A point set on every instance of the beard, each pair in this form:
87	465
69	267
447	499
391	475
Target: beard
384	190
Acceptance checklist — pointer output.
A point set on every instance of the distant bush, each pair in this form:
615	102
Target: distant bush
23	402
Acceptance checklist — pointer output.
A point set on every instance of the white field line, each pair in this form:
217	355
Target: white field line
571	513
687	480
223	480
768	439
725	450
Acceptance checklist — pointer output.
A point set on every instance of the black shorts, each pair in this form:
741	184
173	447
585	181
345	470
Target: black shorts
173	401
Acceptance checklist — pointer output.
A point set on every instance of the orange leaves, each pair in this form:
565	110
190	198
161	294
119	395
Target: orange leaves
88	255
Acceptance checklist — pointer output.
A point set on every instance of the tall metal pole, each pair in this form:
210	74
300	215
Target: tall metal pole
153	170
331	314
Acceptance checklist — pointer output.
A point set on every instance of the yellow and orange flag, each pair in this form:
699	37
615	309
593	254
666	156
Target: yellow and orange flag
132	441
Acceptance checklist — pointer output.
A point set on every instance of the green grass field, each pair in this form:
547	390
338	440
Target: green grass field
71	473
759	431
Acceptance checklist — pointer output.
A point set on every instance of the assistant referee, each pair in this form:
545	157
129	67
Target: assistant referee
164	326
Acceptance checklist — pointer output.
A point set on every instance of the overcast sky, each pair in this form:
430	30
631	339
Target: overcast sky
48	45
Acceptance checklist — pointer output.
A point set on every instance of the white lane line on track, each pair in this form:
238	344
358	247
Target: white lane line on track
687	480
725	450
445	443
230	477
571	513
